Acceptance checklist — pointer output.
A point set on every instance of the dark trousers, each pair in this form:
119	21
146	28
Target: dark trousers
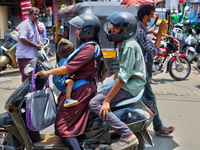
116	124
22	64
71	143
149	64
149	96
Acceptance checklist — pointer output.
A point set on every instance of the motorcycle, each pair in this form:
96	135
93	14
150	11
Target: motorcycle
189	44
14	134
8	50
178	65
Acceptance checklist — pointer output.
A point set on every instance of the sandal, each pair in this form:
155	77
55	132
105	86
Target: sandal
164	129
152	82
123	144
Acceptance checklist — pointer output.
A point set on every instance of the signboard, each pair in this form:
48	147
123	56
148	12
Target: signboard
24	3
25	17
183	1
25	12
25	6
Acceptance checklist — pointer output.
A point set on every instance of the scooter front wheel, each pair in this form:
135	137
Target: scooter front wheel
180	70
9	140
141	145
2	68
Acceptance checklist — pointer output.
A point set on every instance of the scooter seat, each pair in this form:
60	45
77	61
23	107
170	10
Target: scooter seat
130	100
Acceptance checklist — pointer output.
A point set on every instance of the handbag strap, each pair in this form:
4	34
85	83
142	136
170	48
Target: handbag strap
33	86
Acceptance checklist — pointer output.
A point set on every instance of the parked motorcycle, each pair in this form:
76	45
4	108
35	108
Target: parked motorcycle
8	50
14	131
176	28
188	41
178	65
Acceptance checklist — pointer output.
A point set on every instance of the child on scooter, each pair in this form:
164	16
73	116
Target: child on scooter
65	48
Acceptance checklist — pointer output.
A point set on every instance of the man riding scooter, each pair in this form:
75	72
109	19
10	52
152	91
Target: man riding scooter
130	78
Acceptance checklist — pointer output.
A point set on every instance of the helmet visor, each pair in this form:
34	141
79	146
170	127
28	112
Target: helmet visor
77	22
116	18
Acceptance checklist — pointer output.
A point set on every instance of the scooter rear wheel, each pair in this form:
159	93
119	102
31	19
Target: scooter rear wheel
180	71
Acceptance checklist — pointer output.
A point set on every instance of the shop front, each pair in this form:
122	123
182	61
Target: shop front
9	10
17	10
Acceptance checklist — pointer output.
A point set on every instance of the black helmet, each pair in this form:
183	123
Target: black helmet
126	21
89	23
187	25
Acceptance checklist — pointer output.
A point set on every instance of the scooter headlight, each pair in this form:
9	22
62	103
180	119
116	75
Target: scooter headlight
3	49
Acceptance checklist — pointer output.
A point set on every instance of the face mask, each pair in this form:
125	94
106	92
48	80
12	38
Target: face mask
152	20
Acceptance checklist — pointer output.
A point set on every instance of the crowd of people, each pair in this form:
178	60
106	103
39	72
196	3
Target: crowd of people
133	49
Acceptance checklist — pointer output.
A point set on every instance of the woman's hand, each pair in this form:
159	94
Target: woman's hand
42	73
104	110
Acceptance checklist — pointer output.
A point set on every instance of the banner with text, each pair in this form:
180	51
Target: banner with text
25	6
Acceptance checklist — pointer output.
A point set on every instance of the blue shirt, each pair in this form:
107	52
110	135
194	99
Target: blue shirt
27	30
146	45
44	33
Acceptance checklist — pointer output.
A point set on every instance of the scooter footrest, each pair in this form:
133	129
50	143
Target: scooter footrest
50	140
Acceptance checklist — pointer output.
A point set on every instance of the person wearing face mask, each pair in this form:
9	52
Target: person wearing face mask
150	36
145	14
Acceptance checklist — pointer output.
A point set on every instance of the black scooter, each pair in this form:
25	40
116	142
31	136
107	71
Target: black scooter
14	133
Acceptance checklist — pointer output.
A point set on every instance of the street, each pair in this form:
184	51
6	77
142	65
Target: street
178	103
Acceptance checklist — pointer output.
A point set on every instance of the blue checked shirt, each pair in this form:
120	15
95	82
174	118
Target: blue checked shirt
146	45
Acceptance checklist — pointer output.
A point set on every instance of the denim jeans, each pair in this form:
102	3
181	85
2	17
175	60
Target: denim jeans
149	96
149	64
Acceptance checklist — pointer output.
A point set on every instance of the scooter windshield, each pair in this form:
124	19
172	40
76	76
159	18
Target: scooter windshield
77	21
9	43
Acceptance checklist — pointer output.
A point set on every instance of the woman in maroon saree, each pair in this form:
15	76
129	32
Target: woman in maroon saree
71	122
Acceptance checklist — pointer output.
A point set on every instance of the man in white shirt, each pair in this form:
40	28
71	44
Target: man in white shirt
28	42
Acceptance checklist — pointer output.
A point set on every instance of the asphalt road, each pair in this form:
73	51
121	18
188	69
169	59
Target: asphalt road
178	103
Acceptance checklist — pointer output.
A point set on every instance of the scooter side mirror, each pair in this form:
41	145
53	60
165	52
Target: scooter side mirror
9	24
42	56
29	67
54	29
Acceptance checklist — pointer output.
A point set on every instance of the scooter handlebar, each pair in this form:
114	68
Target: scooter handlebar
45	41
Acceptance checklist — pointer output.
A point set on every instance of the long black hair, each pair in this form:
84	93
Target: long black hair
103	68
